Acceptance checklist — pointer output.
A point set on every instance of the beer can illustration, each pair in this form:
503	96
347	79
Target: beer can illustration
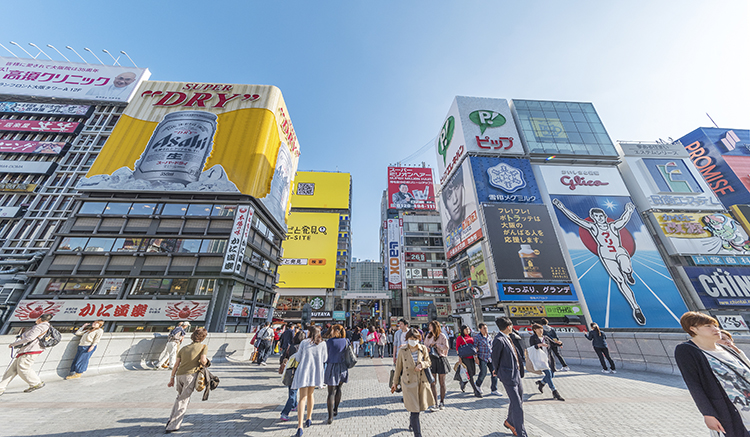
178	148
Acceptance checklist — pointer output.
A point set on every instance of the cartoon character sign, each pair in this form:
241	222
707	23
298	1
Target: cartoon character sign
728	231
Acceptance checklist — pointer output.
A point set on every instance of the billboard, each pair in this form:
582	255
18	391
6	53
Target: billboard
317	189
619	269
34	147
410	188
475	124
721	287
28	167
28	108
418	308
691	233
69	80
39	126
66	310
523	243
722	156
661	176
188	137
235	252
458	211
278	199
395	265
535	291
478	271
309	251
500	180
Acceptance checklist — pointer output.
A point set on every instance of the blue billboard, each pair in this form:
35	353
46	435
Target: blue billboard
535	291
622	276
721	287
501	180
723	158
418	308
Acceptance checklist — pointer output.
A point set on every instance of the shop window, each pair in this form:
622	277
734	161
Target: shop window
73	243
223	210
142	209
176	209
92	208
114	208
99	245
199	210
205	286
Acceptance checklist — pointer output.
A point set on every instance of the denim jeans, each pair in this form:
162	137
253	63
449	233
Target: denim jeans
548	379
291	402
81	361
484	368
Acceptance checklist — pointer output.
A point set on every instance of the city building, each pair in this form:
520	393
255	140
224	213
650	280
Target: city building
316	259
367	301
179	217
54	119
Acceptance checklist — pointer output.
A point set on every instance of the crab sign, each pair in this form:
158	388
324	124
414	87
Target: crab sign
185	310
33	310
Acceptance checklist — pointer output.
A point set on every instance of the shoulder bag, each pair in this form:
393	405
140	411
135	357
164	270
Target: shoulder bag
350	359
467	350
537	358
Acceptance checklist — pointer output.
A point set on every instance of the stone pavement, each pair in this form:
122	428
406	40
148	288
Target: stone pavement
249	399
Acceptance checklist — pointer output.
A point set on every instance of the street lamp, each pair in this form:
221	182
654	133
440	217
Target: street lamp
40	50
110	55
19	46
8	50
131	61
58	51
90	51
71	48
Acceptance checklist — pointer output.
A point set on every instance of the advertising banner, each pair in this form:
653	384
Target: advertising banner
501	180
395	255
526	310
67	310
419	257
721	287
261	313
17	187
9	211
418	308
458	212
34	147
237	243
734	322
688	233
476	124
722	156
237	310
529	291
523	243
56	127
583	181
432	289
410	188
69	80
742	214
563	310
310	251
189	137
317	189
28	167
478	271
84	111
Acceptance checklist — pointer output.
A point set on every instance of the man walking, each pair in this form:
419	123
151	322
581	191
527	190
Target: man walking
483	343
399	337
508	369
28	349
169	354
286	338
264	343
555	345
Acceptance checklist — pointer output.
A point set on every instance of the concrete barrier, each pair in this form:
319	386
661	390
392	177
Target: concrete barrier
124	351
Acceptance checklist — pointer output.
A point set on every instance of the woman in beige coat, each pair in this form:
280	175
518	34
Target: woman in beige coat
410	362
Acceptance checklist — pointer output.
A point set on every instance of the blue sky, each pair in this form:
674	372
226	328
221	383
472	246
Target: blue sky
368	83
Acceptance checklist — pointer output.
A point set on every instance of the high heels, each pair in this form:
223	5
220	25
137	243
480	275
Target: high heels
299	433
308	423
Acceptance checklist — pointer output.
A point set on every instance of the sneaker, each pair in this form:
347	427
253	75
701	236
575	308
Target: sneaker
263	364
36	387
441	406
496	393
566	368
284	418
613	371
605	371
73	376
434	408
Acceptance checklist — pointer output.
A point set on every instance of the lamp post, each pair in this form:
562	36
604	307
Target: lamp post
71	48
110	55
90	51
131	61
58	51
40	50
24	50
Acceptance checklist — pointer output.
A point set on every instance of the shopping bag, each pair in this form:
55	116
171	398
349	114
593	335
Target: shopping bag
538	358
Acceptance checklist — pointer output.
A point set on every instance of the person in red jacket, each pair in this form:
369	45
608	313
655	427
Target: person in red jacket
468	353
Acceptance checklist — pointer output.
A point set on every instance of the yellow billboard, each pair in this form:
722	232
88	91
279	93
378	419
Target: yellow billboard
309	259
316	189
193	137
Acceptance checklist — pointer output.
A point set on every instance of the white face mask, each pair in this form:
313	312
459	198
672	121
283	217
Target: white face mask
412	343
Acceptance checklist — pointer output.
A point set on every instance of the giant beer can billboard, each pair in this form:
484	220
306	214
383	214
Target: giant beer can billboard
189	137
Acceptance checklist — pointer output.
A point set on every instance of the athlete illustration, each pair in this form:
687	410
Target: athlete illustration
614	257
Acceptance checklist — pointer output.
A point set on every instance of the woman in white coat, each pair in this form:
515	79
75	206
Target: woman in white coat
310	372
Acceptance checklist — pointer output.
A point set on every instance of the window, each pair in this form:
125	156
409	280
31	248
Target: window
213	246
92	208
142	209
69	286
173	287
99	245
127	244
114	208
73	243
199	210
188	246
223	210
178	209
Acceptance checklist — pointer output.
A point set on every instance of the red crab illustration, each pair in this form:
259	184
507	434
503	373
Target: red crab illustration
34	309
184	310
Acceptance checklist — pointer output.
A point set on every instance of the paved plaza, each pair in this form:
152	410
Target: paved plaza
249	400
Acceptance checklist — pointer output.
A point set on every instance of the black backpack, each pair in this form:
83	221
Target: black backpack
50	338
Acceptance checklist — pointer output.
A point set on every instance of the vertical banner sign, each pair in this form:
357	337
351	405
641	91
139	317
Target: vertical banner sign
461	225
238	239
395	258
622	275
478	270
245	237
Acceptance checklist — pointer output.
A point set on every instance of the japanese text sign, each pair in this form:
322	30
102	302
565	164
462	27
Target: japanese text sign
310	251
58	127
65	310
510	292
237	243
410	188
33	147
46	109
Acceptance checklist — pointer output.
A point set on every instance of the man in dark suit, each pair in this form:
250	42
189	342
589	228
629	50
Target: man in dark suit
508	369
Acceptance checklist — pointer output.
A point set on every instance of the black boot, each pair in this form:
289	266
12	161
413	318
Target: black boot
540	386
557	396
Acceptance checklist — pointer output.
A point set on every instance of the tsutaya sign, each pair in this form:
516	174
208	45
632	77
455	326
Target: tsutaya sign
475	124
661	176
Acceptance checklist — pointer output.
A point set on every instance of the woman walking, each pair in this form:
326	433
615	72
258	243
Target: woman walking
189	361
599	340
468	353
541	341
382	341
437	345
356	340
336	373
716	376
312	353
389	338
90	334
410	363
291	401
372	341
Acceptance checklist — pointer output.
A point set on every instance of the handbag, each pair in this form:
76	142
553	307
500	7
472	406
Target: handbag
288	376
390	381
428	374
350	359
538	358
467	350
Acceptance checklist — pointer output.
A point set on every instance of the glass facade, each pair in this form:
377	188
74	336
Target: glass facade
564	128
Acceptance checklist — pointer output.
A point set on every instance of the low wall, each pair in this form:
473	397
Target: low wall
124	351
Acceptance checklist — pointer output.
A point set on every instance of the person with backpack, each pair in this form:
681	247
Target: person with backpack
264	343
190	362
169	354
29	344
90	334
